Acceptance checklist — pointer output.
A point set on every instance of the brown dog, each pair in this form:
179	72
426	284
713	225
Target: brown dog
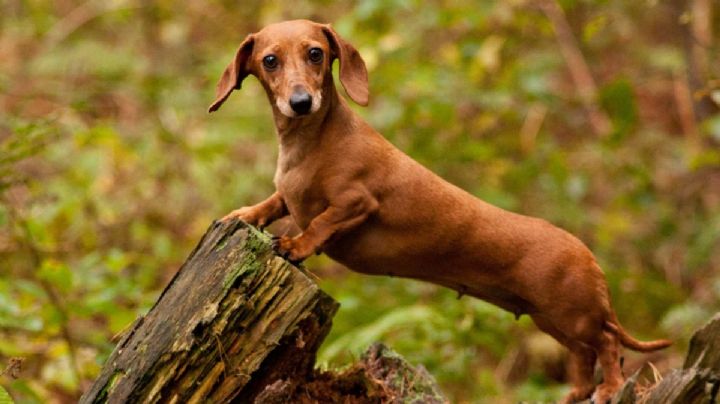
371	207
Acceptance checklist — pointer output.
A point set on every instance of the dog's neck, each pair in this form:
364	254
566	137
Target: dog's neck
299	136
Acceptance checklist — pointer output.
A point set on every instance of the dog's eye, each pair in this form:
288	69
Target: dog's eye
315	55
270	62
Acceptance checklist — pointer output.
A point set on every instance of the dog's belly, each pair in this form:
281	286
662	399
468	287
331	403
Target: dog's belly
437	260
439	271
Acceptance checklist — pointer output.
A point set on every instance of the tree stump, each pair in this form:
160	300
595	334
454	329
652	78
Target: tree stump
381	376
233	319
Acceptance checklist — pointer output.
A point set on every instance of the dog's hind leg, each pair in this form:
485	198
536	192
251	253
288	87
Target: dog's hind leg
608	351
581	370
581	367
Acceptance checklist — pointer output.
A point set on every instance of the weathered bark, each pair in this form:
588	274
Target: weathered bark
234	318
697	383
704	351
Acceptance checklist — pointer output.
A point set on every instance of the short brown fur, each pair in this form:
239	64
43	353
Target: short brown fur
371	207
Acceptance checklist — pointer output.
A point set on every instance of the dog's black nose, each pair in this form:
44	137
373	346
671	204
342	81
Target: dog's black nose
300	102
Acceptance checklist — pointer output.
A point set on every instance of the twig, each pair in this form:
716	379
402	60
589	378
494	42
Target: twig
54	299
13	368
223	356
684	103
697	39
531	127
79	16
701	33
56	302
504	369
579	70
656	373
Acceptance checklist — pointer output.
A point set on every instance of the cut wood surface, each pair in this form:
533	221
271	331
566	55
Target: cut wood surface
233	317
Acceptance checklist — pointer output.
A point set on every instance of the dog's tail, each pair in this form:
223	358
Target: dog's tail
628	341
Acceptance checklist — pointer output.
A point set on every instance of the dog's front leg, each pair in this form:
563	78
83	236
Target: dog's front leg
263	213
344	213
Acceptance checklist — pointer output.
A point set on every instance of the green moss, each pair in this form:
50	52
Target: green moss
417	385
222	245
109	386
260	234
256	246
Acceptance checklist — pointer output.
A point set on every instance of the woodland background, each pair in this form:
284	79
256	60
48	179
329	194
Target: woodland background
598	115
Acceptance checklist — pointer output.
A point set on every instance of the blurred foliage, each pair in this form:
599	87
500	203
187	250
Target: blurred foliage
110	169
5	397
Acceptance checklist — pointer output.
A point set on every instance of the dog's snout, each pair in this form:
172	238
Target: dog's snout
300	102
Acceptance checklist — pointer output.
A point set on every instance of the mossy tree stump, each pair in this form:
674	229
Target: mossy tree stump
233	319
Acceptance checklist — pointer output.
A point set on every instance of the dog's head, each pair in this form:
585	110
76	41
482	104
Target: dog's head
293	61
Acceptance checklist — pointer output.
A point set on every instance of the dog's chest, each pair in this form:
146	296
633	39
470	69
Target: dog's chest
301	192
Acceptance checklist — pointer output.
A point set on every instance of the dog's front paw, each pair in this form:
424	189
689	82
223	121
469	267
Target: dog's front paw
294	250
247	214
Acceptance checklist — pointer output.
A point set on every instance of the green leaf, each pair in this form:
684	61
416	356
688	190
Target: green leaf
357	341
5	397
712	125
618	100
57	273
594	26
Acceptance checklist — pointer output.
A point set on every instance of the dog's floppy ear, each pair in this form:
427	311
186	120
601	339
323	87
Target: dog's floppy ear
234	73
353	74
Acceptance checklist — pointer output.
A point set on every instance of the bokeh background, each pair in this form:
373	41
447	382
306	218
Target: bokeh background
598	115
